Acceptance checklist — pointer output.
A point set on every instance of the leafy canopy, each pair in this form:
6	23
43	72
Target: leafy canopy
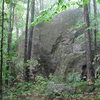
59	6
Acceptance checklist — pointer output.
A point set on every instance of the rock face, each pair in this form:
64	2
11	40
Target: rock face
71	63
46	34
70	54
57	45
54	44
59	88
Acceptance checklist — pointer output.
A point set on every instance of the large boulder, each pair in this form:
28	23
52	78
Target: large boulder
72	62
69	54
55	40
45	34
54	43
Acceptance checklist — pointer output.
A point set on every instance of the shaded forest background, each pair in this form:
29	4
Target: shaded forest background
50	49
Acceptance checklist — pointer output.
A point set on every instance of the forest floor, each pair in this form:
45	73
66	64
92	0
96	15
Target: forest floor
31	91
85	96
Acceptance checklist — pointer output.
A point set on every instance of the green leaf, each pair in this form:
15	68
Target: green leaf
98	1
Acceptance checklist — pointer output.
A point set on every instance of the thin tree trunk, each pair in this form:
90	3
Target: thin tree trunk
26	76
16	25
31	31
12	68
37	5
13	13
30	37
90	69
2	35
17	33
95	25
41	5
9	43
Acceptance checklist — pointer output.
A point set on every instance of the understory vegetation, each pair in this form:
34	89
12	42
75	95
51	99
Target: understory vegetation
39	89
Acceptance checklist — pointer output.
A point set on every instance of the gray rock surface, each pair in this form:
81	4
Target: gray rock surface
59	88
54	44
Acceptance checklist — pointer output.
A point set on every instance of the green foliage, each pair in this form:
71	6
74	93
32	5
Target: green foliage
7	1
97	57
19	89
56	8
48	14
73	77
32	62
41	85
97	69
98	1
12	2
24	89
97	98
57	79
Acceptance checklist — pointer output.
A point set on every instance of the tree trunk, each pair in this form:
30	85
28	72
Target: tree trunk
26	76
1	65
17	33
41	5
95	25
13	15
9	42
16	25
29	50
90	69
31	30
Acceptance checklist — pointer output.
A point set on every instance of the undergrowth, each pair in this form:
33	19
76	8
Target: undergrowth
30	91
